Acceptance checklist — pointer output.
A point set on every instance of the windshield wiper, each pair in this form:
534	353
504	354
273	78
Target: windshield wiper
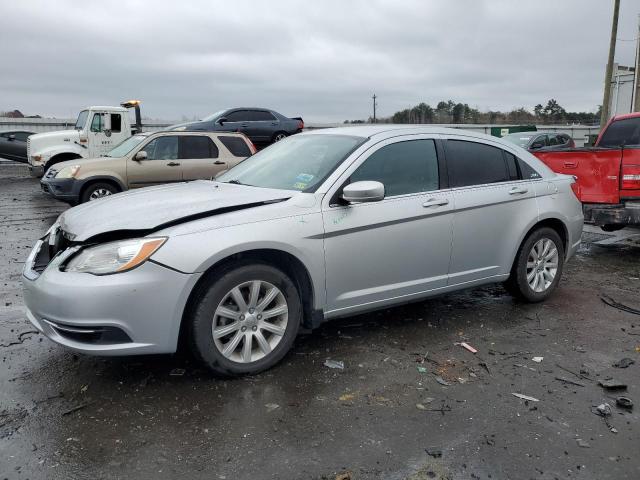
235	182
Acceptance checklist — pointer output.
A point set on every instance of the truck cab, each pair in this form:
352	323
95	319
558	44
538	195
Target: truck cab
97	130
608	174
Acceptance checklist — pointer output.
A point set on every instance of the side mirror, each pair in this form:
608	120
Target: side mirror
222	120
11	137
536	145
361	192
141	155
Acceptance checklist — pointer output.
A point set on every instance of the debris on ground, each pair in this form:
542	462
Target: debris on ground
468	347
334	364
612	384
434	452
524	366
579	375
624	362
624	402
583	443
570	382
177	372
76	408
420	406
604	411
347	397
271	406
537	359
442	381
344	476
422	369
620	306
525	397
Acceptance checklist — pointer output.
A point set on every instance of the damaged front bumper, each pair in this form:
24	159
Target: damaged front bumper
134	312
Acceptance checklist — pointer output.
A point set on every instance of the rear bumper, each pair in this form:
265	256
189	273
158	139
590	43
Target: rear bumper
617	214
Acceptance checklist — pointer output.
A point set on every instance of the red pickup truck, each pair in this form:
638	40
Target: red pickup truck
608	174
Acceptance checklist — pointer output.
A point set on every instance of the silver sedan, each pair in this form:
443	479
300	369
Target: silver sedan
321	225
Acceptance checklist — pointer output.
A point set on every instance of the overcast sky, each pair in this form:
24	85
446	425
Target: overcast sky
321	59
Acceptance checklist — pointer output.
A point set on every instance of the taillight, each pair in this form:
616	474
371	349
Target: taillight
575	186
301	124
631	176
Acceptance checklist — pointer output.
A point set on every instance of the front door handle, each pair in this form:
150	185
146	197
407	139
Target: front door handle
518	191
218	162
435	202
173	164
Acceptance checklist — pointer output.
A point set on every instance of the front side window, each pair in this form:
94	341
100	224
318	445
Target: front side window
97	123
621	132
198	147
403	168
162	148
126	146
238	116
300	162
472	163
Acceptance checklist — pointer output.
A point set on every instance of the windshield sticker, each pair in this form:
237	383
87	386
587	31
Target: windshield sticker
304	177
300	185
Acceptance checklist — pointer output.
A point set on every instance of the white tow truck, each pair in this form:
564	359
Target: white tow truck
97	130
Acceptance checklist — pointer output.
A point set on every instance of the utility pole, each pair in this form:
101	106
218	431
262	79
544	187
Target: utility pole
636	78
604	116
374	107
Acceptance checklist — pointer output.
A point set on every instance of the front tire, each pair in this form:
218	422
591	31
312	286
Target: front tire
244	320
96	191
538	266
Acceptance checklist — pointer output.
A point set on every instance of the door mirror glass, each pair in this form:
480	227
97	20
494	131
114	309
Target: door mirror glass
364	191
222	120
11	137
537	144
141	155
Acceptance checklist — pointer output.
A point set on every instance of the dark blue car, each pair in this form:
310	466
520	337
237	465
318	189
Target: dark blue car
261	125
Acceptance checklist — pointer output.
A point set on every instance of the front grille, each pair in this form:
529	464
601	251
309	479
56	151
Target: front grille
28	148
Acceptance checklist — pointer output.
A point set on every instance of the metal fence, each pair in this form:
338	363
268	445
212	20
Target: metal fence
579	133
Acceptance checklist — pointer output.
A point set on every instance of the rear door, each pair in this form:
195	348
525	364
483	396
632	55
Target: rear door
200	158
493	206
162	164
262	126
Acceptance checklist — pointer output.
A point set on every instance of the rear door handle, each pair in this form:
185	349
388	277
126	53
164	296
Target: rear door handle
218	162
173	164
435	202
570	164
518	190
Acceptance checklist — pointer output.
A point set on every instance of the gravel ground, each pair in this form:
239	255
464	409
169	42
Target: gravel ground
384	416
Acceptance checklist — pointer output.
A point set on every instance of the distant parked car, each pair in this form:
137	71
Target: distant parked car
13	145
541	141
322	225
261	125
146	159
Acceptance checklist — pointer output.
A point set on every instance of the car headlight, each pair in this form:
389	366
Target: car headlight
68	172
114	257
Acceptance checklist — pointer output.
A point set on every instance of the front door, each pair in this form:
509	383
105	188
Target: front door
162	164
398	248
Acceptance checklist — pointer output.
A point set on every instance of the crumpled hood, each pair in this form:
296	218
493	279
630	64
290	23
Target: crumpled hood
152	208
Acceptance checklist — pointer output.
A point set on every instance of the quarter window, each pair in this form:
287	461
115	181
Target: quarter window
162	148
471	163
527	171
236	145
403	167
198	147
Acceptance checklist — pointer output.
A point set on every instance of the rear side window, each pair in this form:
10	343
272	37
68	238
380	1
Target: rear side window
403	167
527	171
236	145
197	147
261	116
471	163
622	132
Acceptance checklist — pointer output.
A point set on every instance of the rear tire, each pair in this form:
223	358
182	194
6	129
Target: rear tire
612	227
279	136
538	266
233	338
98	190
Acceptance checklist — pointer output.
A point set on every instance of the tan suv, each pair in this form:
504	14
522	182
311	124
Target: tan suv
147	159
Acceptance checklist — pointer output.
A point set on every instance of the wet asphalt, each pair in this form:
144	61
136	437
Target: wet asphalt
384	416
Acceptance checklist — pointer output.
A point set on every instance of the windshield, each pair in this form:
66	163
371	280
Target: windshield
126	146
300	162
520	139
213	116
82	119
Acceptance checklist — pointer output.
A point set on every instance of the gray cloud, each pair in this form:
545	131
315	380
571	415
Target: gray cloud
322	59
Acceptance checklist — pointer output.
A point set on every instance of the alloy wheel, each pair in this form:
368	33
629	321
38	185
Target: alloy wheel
250	321
542	265
99	193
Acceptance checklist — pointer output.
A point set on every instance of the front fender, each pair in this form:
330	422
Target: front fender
48	153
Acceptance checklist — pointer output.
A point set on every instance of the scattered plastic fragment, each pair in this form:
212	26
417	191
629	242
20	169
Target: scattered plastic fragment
177	372
344	476
442	381
525	397
620	306
570	382
420	406
604	410
612	384
347	397
421	369
466	346
537	359
624	402
434	452
583	443
272	406
624	363
334	364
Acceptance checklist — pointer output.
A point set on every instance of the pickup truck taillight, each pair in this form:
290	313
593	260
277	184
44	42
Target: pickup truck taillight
631	176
